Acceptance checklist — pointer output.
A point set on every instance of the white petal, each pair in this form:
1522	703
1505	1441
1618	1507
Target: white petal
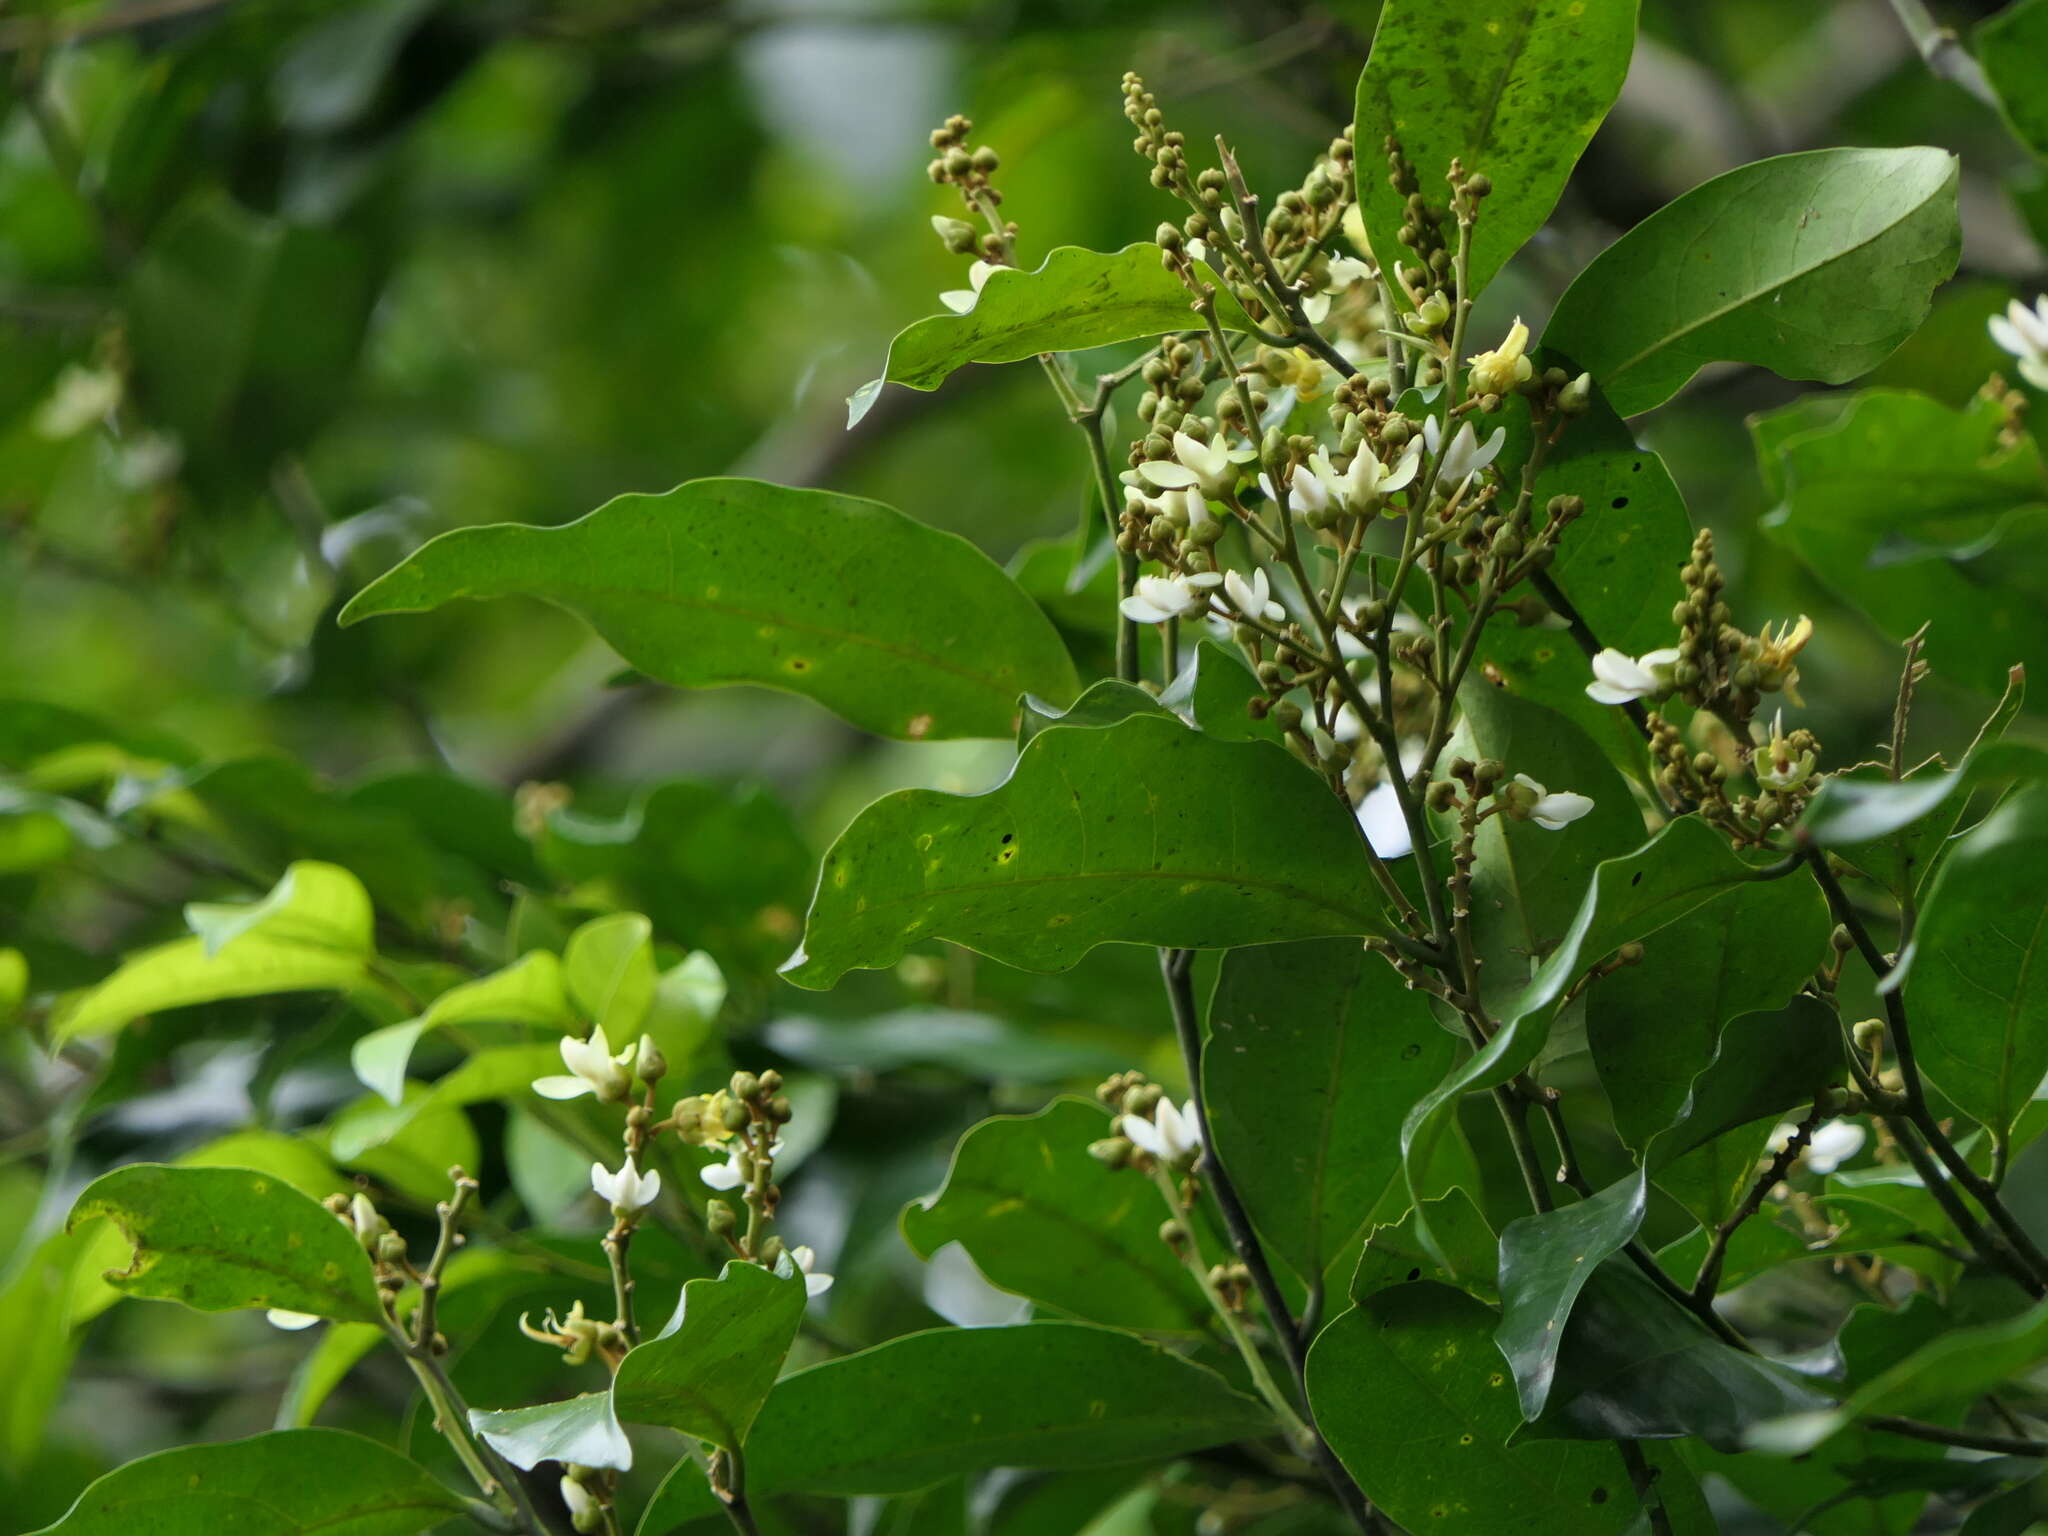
1379	814
1144	1135
605	1182
725	1175
1138	611
1166	474
816	1284
959	300
291	1322
1404	471
2007	335
562	1087
1555	811
1316	306
1607	693
1491	450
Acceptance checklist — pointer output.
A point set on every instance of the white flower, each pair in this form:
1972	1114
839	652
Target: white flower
1464	457
1254	598
627	1190
2024	333
1307	492
816	1282
291	1322
1830	1145
1498	371
1379	813
731	1173
961	300
592	1069
1171	1135
1368	478
1549	809
1619	678
1159	598
1212	466
1344	271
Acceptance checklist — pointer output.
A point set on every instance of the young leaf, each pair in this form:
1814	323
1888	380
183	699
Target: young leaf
1412	1396
608	965
1315	1051
1212	692
928	1406
1512	88
1813	265
1075	300
222	1238
1977	985
1143	832
737	581
286	1483
528	991
1043	1219
580	1429
1849	811
311	933
708	1371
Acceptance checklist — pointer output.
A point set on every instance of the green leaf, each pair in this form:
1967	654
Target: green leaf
1075	300
1470	1253
500	1072
1043	1219
1813	265
1961	1365
608	965
977	1045
1213	690
929	1406
283	1484
1916	513
1545	1259
1654	1026
1411	1394
1144	832
1634	1364
528	991
1315	1051
737	581
1765	1062
709	1370
1850	811
222	1238
1512	88
1684	865
1103	702
1618	567
312	933
2013	48
581	1429
416	1158
1977	982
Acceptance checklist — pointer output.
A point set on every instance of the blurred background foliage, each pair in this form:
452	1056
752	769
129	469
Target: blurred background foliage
287	288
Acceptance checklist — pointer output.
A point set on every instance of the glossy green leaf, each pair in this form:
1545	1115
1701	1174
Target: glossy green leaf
1144	832
1413	1397
1634	1364
1813	265
737	581
528	991
1654	1026
223	1238
1467	1256
1512	88
608	966
1916	514
1043	1219
1212	692
1851	811
1315	1051
311	933
1766	1062
1074	300
1960	1365
577	1429
1103	702
929	1406
1977	986
2012	46
708	1371
1545	1259
287	1483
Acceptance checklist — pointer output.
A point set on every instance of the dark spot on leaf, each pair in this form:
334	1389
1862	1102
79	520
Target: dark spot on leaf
1636	878
1410	1052
1599	1495
1413	1274
1009	837
1619	502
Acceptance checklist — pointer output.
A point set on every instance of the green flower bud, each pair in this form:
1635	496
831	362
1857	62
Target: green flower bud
718	1218
1111	1151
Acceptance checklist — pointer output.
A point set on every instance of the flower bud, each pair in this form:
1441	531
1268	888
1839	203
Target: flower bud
718	1218
1111	1151
745	1085
1869	1034
1576	398
956	235
651	1065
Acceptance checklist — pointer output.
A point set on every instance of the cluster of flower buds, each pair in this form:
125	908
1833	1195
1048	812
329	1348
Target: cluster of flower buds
1150	1128
1421	228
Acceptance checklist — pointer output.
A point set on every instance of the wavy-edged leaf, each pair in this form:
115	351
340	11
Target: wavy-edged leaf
1315	1051
1545	1260
1075	299
737	581
1143	832
217	1239
1213	692
285	1483
708	1371
1043	1219
528	991
1812	265
929	1406
608	967
1513	88
580	1429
